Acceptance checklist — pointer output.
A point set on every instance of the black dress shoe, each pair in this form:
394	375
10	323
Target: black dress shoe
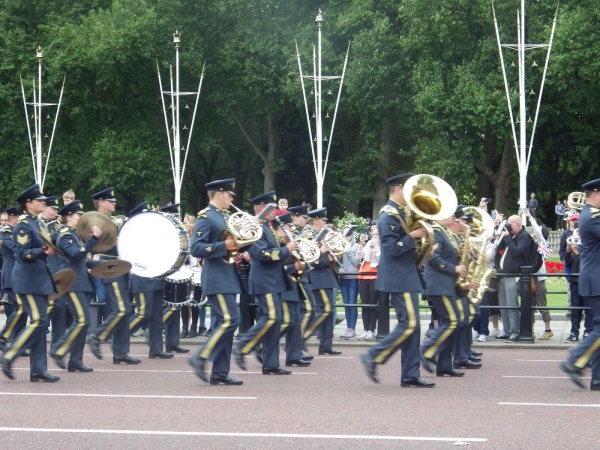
297	363
177	349
224	378
118	359
417	382
94	344
6	367
427	363
474	359
276	371
80	369
466	364
329	352
477	354
573	372
595	385
369	365
450	373
198	364
43	376
239	357
258	354
58	360
160	355
307	357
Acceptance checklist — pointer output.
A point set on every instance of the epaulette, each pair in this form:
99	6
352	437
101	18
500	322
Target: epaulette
595	212
390	210
23	218
202	214
6	229
64	230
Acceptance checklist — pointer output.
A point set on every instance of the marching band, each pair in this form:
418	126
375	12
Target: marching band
431	247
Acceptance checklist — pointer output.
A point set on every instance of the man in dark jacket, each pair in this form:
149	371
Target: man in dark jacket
515	247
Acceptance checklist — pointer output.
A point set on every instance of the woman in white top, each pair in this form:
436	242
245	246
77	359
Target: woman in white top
369	252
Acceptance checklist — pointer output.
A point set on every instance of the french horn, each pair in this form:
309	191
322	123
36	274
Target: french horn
576	200
245	230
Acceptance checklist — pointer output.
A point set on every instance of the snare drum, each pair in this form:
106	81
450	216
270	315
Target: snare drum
155	244
177	287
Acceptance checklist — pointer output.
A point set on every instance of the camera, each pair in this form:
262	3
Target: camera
488	200
507	227
365	237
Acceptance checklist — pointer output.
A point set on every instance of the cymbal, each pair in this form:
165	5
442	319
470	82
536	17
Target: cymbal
63	280
111	269
108	238
49	244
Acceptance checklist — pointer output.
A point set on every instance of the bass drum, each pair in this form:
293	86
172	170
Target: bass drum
177	287
155	243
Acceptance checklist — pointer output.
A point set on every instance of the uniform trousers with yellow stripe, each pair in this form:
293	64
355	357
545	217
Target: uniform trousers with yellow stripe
405	337
441	342
57	316
265	330
33	336
150	314
117	322
73	340
225	318
291	329
463	337
171	320
322	319
589	350
16	317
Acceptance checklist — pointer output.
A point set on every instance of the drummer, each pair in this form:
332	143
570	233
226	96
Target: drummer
32	284
149	292
172	313
78	298
117	295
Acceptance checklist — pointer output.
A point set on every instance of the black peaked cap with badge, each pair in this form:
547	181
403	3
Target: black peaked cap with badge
12	211
399	180
105	194
285	218
72	208
460	213
319	213
171	209
139	208
31	193
593	185
227	185
299	210
265	199
52	201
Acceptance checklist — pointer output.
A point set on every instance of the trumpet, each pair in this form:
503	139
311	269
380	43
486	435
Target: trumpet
576	200
429	198
244	228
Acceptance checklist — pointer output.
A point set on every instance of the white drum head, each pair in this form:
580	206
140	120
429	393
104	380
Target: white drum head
152	242
181	276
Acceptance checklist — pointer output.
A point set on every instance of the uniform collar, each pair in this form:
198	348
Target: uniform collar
32	216
395	203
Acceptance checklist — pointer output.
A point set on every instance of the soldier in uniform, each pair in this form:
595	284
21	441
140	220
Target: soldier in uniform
322	282
440	278
220	282
15	314
290	304
299	221
267	281
399	275
149	293
32	284
172	313
589	288
78	298
117	296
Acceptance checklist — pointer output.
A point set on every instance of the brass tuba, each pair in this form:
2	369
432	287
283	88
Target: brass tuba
575	238
245	229
429	198
576	200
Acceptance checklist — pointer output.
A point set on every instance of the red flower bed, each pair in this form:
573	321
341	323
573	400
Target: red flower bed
555	267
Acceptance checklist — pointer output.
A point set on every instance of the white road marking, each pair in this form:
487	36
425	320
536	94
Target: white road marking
550	404
250	435
528	376
334	357
161	370
190	397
